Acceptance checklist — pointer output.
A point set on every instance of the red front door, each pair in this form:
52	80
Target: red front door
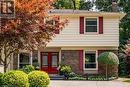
50	62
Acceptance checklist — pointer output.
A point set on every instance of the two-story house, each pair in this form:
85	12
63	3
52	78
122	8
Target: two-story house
86	36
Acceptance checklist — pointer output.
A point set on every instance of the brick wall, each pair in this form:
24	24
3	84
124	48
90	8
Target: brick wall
71	57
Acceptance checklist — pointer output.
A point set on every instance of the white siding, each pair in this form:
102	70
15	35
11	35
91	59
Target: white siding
70	35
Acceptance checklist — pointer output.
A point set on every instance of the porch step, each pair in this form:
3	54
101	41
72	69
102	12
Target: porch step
56	77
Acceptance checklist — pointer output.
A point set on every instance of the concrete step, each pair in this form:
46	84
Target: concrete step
56	77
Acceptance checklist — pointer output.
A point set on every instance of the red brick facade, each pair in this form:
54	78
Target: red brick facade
71	57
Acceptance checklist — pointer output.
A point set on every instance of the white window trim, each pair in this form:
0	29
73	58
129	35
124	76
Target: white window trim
85	26
96	60
30	58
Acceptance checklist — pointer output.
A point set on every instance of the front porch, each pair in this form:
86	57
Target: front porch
81	60
49	59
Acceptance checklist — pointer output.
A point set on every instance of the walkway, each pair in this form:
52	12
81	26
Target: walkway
62	83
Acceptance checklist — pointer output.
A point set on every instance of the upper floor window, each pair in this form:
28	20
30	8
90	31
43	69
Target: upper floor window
91	25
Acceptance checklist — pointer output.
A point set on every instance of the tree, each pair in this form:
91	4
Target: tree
63	4
73	4
28	30
67	4
86	5
104	5
108	58
124	65
124	25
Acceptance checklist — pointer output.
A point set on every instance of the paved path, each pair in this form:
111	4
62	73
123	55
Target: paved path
62	83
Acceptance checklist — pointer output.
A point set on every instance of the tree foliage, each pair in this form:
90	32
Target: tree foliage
28	30
108	58
86	5
66	4
73	4
104	5
125	24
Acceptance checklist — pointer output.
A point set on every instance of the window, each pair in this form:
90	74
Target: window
54	59
7	7
24	59
90	60
45	60
91	25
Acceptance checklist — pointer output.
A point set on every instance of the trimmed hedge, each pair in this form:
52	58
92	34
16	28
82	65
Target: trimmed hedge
108	58
108	62
15	79
38	79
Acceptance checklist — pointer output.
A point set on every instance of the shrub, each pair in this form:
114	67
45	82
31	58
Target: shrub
36	64
65	69
72	74
77	78
1	78
38	79
28	68
108	59
15	79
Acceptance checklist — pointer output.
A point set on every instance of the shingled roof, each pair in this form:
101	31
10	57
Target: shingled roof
85	12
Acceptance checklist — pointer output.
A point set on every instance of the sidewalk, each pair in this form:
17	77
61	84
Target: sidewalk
62	83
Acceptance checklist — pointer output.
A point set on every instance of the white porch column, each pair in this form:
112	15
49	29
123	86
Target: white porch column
18	61
60	56
39	58
31	58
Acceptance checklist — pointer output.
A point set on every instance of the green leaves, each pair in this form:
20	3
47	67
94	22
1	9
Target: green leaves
104	5
15	79
38	79
66	69
108	58
73	4
28	68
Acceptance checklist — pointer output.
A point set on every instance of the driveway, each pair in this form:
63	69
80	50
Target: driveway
62	83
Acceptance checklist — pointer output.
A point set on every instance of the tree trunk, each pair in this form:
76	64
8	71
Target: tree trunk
74	4
5	64
5	68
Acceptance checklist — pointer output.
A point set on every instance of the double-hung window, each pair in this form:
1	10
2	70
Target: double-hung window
24	59
91	25
90	60
28	58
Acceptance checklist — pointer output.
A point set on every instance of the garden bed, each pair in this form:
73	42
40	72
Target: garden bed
92	78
